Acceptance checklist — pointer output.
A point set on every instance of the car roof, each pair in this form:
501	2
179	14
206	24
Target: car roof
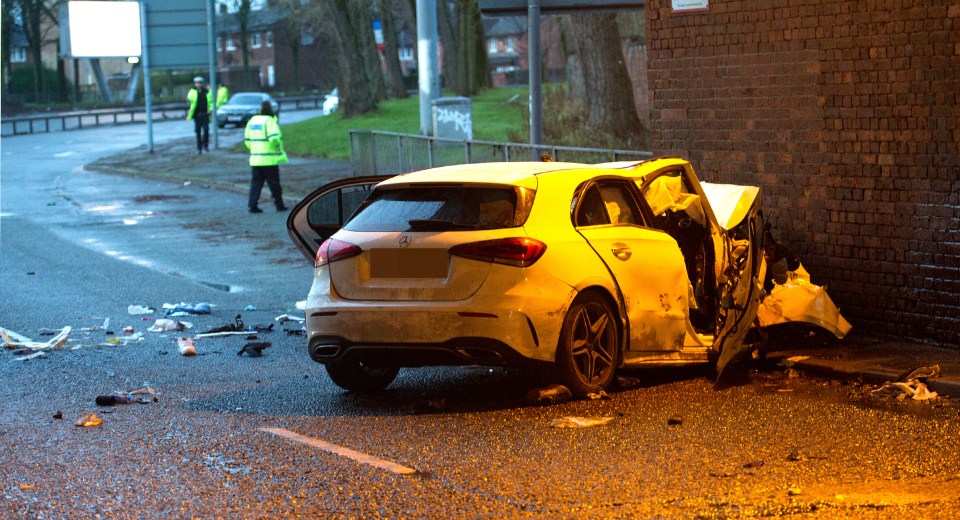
523	174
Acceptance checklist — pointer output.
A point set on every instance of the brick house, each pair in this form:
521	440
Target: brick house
847	114
271	55
507	49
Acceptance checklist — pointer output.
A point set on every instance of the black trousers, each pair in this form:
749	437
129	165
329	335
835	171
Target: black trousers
270	174
201	125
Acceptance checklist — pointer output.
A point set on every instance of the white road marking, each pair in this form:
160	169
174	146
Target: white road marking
343	452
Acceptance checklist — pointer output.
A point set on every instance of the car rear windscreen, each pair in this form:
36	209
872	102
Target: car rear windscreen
442	208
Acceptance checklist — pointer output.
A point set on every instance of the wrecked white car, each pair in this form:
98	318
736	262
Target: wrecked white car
571	270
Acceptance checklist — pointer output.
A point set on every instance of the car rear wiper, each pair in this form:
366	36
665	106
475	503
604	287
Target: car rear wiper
418	224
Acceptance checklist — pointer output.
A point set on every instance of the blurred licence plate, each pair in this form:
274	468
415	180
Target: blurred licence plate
408	263
234	118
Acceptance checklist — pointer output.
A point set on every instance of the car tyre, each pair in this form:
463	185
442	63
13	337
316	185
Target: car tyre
588	352
357	376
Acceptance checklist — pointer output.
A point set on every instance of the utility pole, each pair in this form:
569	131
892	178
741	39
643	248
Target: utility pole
427	58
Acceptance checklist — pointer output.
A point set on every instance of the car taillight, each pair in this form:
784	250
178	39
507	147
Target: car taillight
332	250
517	251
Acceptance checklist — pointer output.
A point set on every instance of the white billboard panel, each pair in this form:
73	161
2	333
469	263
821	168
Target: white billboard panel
104	29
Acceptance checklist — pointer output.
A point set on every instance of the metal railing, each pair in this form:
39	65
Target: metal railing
389	153
61	121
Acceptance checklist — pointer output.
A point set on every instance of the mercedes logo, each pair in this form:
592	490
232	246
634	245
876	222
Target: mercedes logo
404	241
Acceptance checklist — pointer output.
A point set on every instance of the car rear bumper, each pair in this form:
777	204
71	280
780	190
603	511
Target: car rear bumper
499	326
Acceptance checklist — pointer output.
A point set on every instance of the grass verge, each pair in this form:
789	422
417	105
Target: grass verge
498	115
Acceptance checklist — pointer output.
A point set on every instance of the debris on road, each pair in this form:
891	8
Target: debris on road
553	394
186	346
910	385
123	340
134	396
579	422
676	420
13	340
286	317
89	420
598	396
254	349
167	325
135	310
28	357
185	309
250	308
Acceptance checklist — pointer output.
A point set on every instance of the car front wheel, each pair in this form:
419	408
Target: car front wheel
357	376
588	352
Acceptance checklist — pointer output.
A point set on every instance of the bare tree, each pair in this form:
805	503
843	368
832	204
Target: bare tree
295	21
360	81
242	9
6	29
32	14
391	55
610	105
465	63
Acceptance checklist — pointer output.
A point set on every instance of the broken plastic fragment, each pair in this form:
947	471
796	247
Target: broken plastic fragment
139	309
286	317
254	349
89	420
13	340
579	422
183	309
186	346
166	325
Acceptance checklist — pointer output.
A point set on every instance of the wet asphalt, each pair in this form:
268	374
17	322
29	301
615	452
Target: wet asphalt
77	248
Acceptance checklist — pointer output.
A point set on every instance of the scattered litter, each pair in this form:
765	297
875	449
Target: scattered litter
165	325
27	487
58	415
790	362
135	310
909	385
123	340
552	394
236	326
296	332
263	328
599	395
754	464
28	357
185	309
675	420
301	305
13	340
794	491
128	330
797	456
131	397
579	422
186	346
89	420
920	373
219	334
105	326
254	349
250	308
286	317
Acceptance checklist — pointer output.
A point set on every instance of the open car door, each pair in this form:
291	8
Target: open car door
323	212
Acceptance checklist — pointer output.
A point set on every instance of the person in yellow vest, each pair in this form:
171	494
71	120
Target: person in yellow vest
201	104
263	138
223	95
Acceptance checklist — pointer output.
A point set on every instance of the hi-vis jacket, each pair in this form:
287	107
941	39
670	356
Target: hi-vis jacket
223	95
192	99
264	140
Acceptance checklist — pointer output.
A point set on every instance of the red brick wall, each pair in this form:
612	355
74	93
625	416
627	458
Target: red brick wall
847	114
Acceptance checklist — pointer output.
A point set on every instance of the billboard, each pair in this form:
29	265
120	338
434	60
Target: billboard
85	36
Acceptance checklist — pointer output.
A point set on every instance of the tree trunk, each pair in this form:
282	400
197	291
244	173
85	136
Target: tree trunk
452	64
610	105
390	53
473	49
243	19
356	95
362	19
575	86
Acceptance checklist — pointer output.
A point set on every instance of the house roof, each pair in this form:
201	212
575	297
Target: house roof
259	19
500	26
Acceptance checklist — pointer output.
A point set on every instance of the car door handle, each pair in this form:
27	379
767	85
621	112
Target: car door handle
621	251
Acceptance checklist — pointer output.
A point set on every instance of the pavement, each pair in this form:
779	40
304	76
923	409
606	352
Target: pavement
860	357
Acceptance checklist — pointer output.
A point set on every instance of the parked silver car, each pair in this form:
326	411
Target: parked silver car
242	106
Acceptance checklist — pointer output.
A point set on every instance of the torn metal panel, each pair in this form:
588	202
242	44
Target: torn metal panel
799	300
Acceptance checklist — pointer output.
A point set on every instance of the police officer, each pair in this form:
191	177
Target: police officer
201	103
263	138
223	95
